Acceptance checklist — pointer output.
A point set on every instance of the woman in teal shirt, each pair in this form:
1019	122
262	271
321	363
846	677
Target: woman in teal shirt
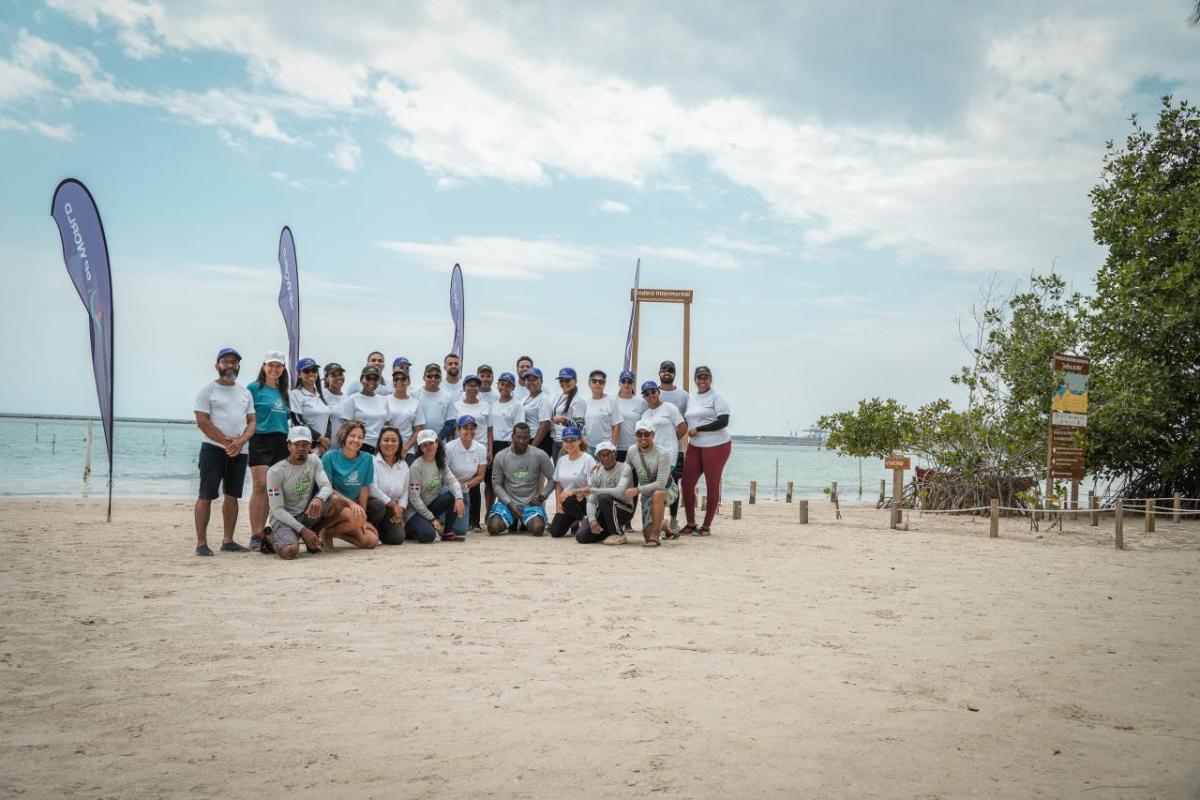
352	471
269	442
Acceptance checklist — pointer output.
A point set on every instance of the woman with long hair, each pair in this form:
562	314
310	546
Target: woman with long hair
352	471
630	407
568	409
367	406
435	501
389	492
404	412
571	476
335	396
268	445
308	403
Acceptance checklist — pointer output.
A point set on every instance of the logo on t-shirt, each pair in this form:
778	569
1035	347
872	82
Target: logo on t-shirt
302	485
352	478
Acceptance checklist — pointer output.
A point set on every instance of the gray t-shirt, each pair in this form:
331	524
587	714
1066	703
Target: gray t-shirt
653	471
517	478
227	407
290	488
676	397
612	482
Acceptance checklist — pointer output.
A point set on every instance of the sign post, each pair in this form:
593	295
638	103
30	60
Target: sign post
897	464
1065	456
683	296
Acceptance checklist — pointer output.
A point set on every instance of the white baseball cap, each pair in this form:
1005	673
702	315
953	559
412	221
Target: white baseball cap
274	356
606	446
426	436
643	425
299	434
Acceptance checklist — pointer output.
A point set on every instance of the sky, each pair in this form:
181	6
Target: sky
836	185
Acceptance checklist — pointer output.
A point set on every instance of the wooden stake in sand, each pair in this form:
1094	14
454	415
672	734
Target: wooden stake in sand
753	492
1150	515
882	491
737	509
994	527
1120	524
1094	505
1176	505
803	512
789	492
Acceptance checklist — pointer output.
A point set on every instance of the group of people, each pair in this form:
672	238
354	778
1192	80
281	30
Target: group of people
331	461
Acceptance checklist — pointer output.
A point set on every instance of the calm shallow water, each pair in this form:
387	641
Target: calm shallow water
45	457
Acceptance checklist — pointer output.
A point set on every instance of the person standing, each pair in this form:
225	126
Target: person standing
404	413
437	406
518	473
524	364
225	415
374	359
388	494
368	407
609	509
539	409
709	448
299	495
631	407
308	403
471	405
487	391
601	416
351	471
435	501
452	386
666	386
272	407
571	475
507	411
568	409
651	467
467	460
335	379
669	430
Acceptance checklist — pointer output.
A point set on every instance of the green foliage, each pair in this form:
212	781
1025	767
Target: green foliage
1144	419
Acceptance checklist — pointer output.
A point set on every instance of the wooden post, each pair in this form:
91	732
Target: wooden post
1094	505
704	502
687	346
897	497
882	490
1150	515
53	437
994	528
789	492
803	512
1177	505
1120	524
1074	499
833	492
737	509
753	492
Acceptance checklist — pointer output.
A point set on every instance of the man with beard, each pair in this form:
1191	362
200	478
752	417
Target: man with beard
517	474
225	415
524	364
453	383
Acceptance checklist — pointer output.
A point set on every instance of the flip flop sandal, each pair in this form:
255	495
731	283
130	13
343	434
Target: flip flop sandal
703	531
687	530
652	543
266	546
451	537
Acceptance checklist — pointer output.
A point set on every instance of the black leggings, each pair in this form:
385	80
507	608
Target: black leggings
571	512
613	515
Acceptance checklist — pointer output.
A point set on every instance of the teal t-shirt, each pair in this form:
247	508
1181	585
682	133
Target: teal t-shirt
349	477
270	412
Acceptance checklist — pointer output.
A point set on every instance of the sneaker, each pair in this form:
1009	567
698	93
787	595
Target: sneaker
616	538
476	529
203	550
234	547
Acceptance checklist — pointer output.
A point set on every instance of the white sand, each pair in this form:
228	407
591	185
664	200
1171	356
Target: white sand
837	660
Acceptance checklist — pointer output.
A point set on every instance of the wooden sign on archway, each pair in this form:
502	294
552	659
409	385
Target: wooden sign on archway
683	296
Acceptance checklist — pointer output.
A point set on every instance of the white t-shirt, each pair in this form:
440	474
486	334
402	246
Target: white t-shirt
482	412
665	419
491	396
631	409
538	410
404	414
676	397
464	463
335	403
436	406
455	390
227	407
520	392
600	416
314	410
504	417
703	409
559	407
371	410
574	474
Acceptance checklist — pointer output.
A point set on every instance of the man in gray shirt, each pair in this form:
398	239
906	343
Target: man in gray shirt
517	474
295	513
652	470
609	510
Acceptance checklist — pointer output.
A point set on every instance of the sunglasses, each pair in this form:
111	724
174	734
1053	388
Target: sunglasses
433	375
649	391
565	380
643	434
627	380
310	371
599	381
374	378
401	378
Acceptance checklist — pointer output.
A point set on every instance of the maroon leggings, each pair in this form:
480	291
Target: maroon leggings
710	462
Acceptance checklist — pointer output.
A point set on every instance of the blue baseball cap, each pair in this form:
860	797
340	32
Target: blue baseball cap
649	386
626	375
401	361
466	419
306	363
565	373
472	379
508	376
533	372
571	432
228	351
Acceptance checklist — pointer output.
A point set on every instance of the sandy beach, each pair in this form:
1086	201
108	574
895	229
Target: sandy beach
771	660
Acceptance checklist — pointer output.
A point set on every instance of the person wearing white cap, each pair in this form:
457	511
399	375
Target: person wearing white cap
571	475
272	408
652	470
435	499
298	494
467	459
609	511
225	415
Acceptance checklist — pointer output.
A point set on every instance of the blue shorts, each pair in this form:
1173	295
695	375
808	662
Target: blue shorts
502	511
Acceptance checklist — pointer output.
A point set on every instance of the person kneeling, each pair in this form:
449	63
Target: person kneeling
518	473
435	499
295	512
609	510
652	467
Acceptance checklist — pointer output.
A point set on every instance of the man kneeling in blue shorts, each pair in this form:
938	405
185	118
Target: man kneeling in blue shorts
517	474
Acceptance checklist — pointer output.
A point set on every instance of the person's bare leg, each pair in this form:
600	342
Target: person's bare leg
229	515
536	526
657	511
259	506
363	537
202	514
289	552
496	525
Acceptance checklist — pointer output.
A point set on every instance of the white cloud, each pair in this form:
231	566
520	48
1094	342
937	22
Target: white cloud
613	207
346	154
498	256
283	178
62	133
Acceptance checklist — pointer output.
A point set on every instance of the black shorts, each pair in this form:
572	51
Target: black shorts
267	449
218	470
497	448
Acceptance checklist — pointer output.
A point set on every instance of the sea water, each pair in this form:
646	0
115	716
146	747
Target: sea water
45	457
